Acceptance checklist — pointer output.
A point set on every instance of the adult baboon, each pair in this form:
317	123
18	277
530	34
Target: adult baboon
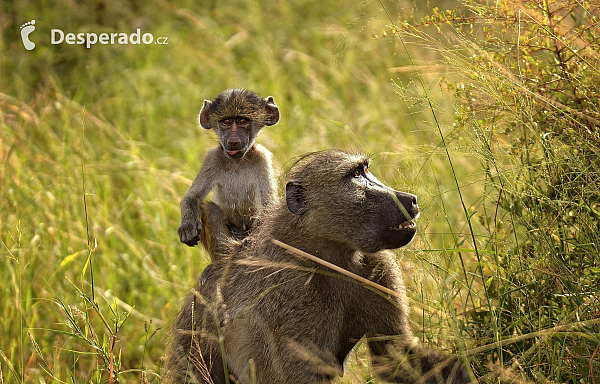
267	316
238	171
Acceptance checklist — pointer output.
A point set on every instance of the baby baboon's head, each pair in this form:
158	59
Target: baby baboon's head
236	116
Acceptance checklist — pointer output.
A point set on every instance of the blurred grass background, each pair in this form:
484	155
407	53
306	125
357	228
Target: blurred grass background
507	178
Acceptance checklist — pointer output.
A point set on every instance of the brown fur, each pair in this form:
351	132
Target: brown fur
242	185
271	317
239	102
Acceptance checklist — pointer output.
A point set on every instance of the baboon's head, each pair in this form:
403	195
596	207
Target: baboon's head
237	115
339	199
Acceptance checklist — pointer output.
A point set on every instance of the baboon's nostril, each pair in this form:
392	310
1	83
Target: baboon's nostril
414	200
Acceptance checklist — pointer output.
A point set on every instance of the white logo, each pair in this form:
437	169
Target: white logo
26	29
57	36
88	39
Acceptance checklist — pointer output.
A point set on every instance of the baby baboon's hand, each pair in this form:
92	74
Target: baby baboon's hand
189	232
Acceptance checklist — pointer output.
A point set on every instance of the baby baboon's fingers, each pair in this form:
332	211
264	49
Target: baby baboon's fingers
188	233
192	240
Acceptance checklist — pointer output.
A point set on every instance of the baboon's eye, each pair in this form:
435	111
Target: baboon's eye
357	173
226	121
243	120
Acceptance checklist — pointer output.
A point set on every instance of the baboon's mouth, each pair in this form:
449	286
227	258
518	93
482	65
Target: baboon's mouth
235	154
409	224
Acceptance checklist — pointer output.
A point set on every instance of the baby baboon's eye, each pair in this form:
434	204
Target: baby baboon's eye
243	120
357	173
226	122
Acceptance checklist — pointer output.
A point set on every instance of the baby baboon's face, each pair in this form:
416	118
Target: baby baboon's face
235	134
344	202
236	116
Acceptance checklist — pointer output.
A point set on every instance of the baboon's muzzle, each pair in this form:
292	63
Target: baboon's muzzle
402	228
408	205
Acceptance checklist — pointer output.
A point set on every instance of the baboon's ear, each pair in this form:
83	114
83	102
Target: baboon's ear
203	117
271	111
295	198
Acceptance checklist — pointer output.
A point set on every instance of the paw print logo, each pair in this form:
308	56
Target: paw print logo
26	29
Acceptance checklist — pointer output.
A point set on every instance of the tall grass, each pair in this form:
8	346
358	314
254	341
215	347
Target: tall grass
525	75
518	126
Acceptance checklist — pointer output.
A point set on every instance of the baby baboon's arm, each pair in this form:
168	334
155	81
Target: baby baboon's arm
190	227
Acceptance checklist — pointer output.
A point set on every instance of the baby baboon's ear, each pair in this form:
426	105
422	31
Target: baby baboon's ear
203	117
271	111
295	198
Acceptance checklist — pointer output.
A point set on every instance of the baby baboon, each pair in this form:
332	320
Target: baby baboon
238	171
267	316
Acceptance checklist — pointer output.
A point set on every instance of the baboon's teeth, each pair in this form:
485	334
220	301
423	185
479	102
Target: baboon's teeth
407	224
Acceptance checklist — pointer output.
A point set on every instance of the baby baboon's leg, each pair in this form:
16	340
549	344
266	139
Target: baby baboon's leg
237	232
241	225
214	230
